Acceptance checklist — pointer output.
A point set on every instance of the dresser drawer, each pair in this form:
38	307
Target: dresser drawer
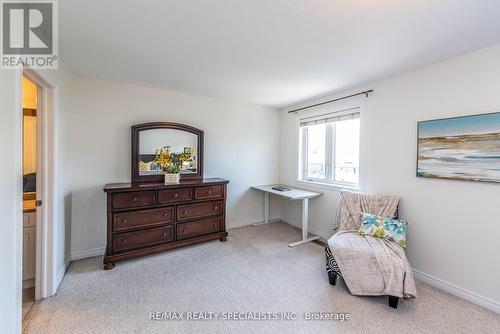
200	227
133	199
209	192
199	210
154	236
144	218
175	195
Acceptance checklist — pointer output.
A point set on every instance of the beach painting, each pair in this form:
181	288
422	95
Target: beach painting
461	148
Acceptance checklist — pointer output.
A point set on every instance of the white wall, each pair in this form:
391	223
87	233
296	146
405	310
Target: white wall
151	140
241	144
451	235
10	204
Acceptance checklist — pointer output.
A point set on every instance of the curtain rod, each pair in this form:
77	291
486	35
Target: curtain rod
366	92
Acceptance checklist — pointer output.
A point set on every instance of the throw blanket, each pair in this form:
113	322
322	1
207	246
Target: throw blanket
370	266
352	205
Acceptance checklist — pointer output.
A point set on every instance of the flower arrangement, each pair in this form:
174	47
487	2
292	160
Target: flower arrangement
170	162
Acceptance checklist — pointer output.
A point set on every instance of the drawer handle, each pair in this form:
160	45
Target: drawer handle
124	241
184	212
135	199
209	192
215	224
176	195
165	214
215	208
125	221
164	234
184	230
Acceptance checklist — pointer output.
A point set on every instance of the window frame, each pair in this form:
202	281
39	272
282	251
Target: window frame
330	138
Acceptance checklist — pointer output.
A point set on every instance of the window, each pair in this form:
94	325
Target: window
329	148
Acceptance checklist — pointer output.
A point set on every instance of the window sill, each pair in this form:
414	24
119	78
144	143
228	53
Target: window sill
330	186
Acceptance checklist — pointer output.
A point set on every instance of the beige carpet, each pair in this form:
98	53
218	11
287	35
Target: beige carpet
254	271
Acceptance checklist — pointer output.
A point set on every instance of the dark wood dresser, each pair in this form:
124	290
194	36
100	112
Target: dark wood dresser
149	217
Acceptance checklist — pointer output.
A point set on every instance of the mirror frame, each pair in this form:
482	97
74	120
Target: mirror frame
136	129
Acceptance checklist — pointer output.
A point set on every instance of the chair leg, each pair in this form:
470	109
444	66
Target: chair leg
393	301
332	277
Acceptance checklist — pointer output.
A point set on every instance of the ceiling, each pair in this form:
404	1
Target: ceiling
268	52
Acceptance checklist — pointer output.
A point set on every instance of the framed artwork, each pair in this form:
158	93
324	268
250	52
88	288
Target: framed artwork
460	148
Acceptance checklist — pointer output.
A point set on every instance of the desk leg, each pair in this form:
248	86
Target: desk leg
266	210
305	218
305	225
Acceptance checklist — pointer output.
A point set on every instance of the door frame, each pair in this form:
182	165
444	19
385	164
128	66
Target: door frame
45	275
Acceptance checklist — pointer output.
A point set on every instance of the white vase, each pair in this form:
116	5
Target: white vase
172	178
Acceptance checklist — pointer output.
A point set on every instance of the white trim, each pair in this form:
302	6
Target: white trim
438	283
79	255
84	254
298	224
46	275
18	141
421	276
248	222
332	186
343	107
62	271
458	291
362	146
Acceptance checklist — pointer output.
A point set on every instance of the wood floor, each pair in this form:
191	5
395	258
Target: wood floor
29	305
28	300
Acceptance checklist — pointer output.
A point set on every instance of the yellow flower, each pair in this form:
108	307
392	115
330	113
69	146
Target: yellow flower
379	233
163	158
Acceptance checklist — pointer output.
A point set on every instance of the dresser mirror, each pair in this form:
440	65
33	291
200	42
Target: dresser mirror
165	147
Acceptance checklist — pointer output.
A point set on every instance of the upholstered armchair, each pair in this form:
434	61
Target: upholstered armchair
369	266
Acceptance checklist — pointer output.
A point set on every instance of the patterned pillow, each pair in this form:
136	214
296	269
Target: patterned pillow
379	227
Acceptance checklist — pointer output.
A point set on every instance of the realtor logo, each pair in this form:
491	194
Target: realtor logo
29	34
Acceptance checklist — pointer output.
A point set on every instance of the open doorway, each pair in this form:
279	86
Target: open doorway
31	110
37	175
38	276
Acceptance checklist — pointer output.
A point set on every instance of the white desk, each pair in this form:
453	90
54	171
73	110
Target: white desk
293	194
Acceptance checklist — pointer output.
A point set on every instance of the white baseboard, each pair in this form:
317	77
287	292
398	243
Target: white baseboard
455	290
248	222
460	292
298	224
438	283
61	272
79	255
87	253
